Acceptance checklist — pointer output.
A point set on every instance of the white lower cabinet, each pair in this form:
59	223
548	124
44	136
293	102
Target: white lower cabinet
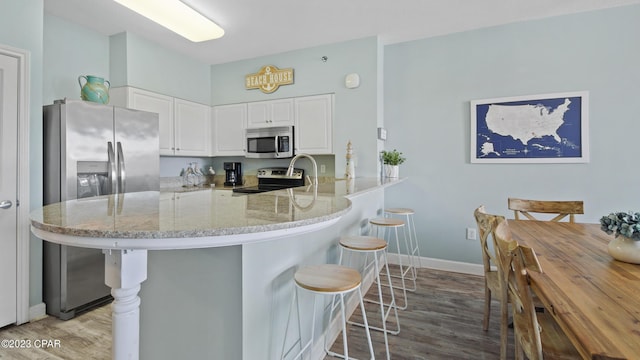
314	124
228	129
185	126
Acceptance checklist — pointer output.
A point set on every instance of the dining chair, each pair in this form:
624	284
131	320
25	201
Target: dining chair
537	335
492	285
561	208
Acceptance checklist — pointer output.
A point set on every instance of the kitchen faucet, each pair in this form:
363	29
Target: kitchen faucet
313	161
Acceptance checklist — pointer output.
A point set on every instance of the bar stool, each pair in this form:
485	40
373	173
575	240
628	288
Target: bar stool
414	251
327	279
382	225
376	247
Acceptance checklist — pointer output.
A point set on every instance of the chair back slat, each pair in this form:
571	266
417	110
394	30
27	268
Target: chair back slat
525	322
523	207
486	224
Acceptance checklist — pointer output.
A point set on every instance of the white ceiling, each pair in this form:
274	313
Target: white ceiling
262	27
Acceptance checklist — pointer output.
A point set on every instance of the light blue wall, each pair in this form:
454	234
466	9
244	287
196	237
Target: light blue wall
21	28
150	66
428	86
355	110
122	59
71	50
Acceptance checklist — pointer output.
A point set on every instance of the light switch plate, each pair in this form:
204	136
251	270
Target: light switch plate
382	133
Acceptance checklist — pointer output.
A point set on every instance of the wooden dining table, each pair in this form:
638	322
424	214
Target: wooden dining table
594	298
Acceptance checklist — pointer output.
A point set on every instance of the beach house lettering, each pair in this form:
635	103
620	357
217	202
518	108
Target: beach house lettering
269	78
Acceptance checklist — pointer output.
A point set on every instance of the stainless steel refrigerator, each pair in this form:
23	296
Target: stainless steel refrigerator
91	150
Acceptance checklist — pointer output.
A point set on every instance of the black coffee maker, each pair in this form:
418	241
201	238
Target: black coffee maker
233	173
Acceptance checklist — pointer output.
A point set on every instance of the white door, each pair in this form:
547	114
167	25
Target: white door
8	188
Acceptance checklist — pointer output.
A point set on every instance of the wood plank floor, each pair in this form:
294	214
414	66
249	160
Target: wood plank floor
443	321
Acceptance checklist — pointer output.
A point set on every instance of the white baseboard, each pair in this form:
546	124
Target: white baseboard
37	312
439	264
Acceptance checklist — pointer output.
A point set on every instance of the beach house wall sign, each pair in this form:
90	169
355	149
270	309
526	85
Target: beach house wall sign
269	79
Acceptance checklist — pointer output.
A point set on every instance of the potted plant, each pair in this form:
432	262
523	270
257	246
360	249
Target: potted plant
626	229
391	160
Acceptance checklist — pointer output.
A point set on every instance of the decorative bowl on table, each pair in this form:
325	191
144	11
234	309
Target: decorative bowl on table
626	229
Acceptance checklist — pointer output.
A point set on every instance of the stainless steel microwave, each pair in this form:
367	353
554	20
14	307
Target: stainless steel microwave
269	143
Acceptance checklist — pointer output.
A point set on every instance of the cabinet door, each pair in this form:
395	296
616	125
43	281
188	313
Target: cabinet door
162	105
270	113
229	123
314	124
192	128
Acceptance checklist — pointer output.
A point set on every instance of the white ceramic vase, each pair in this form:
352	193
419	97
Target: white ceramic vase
391	171
625	249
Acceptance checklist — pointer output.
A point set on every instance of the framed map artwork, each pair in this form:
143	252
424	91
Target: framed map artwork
549	128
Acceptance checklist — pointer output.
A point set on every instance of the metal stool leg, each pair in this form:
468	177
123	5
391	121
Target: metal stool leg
328	279
367	245
382	225
413	248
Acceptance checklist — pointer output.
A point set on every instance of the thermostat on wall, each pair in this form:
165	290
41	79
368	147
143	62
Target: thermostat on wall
352	81
382	133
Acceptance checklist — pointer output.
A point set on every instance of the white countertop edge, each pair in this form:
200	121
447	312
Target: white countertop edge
381	186
178	243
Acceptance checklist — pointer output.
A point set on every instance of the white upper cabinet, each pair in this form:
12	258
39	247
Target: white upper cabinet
270	113
185	126
192	128
229	123
314	124
139	99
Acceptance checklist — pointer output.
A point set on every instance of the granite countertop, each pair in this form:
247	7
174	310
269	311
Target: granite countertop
132	220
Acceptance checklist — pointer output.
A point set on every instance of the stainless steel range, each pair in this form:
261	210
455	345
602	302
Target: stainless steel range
274	179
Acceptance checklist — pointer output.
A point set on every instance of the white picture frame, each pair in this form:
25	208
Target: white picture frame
544	128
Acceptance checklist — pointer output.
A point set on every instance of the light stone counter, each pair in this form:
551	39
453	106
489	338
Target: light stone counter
125	226
207	218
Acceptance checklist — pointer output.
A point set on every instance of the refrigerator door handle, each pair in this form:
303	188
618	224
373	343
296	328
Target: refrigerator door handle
111	164
122	179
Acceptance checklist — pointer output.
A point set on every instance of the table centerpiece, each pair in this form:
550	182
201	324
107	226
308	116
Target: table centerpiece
626	229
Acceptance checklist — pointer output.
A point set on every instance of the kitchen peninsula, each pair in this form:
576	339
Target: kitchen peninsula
223	288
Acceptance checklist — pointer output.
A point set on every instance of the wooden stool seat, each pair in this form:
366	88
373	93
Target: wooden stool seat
400	211
390	222
325	279
328	278
363	243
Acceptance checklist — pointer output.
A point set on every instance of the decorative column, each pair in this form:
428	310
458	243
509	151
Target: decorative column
125	270
351	168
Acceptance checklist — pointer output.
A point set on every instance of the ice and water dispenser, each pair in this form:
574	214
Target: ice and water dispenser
93	178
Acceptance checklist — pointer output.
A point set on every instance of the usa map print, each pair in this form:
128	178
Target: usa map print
537	128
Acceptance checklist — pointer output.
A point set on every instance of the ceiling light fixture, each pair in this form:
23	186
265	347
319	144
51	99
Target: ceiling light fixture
177	17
